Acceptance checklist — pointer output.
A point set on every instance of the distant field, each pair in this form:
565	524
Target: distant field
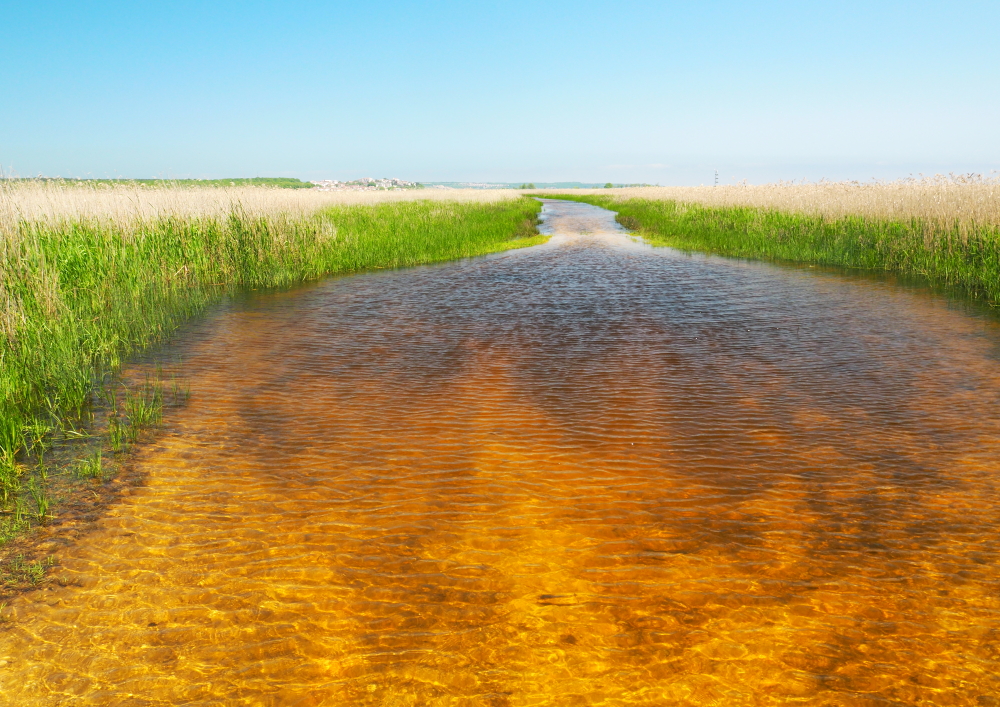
278	182
944	229
525	185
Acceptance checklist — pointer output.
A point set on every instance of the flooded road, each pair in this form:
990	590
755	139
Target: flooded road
586	473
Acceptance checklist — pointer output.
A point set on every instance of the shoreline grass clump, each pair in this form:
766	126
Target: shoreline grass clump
946	231
85	287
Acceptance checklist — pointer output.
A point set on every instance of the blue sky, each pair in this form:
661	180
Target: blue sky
659	92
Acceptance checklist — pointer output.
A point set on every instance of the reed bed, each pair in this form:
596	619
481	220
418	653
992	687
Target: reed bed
91	275
944	229
123	205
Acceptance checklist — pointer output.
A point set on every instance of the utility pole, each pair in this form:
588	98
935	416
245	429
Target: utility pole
716	177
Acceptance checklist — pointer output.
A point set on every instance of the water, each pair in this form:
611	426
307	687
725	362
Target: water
588	473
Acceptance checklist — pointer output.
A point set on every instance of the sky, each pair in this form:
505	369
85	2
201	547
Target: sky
659	92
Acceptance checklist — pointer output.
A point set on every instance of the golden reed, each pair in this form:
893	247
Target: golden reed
968	199
122	204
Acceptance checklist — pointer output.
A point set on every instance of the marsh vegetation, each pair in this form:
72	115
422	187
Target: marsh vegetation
596	472
946	230
92	274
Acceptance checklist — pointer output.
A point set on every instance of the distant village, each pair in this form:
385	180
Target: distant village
365	184
371	184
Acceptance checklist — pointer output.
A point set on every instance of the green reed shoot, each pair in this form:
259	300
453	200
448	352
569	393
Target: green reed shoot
180	393
118	435
91	467
10	479
30	572
41	498
143	407
20	510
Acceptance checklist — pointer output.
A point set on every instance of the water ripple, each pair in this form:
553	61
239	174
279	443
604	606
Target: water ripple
587	473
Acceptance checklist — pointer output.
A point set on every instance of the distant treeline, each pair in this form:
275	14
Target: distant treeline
279	182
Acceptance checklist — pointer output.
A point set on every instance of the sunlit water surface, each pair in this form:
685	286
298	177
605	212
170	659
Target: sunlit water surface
587	473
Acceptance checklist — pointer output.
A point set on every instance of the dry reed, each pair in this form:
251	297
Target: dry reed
969	199
131	204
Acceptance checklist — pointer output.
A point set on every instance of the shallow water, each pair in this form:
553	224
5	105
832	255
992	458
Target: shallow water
587	473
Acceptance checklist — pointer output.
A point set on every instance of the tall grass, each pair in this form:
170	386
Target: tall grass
124	206
945	230
86	283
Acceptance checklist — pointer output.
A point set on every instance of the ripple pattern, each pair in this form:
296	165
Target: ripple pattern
586	473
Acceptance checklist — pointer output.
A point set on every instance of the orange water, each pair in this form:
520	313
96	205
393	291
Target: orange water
588	473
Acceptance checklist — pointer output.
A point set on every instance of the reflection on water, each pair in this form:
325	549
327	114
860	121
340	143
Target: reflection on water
585	473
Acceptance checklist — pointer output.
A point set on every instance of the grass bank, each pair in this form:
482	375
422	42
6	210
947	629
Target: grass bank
954	249
81	294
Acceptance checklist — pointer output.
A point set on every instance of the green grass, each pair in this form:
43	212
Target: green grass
91	467
143	408
82	297
22	571
959	255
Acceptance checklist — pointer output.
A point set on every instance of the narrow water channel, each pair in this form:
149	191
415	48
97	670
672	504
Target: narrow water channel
586	473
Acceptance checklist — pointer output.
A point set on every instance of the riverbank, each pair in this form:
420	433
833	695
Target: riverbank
89	278
947	232
593	469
